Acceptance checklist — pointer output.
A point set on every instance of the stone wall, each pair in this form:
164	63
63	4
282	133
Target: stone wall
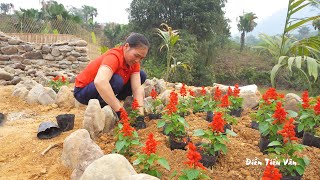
41	62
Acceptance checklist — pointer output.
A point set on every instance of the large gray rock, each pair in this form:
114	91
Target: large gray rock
79	151
21	92
292	102
5	75
110	119
65	98
94	118
47	97
164	97
9	50
109	167
251	96
34	93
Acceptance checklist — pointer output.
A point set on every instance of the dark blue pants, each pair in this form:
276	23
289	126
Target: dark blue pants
121	90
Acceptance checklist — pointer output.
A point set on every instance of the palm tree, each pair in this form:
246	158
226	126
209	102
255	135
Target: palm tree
246	24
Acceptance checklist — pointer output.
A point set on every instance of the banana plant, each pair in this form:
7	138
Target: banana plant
303	51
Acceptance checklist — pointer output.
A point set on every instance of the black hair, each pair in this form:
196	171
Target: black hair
137	40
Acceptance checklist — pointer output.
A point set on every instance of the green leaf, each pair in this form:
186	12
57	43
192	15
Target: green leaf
292	114
192	174
274	72
231	133
119	145
306	160
135	142
275	143
300	127
290	62
161	123
298	62
136	162
164	163
300	169
224	148
151	159
198	132
183	121
263	127
301	162
298	24
312	67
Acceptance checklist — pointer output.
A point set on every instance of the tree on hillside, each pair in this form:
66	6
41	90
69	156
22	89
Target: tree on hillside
303	31
246	24
199	17
89	12
6	7
115	33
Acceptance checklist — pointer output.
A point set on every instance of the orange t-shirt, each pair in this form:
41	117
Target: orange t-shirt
113	59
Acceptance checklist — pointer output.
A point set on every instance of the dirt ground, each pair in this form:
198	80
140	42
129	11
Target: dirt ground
20	149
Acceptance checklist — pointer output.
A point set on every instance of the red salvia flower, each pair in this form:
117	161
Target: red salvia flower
153	94
191	93
217	94
279	114
271	94
151	145
288	132
225	101
236	90
127	129
271	173
217	123
203	91
56	78
183	90
305	100
229	91
135	104
317	107
194	157
63	79
173	101
123	115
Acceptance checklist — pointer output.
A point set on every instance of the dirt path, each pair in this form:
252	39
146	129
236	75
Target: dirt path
20	149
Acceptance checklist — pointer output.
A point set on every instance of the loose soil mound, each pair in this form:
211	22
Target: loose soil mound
20	149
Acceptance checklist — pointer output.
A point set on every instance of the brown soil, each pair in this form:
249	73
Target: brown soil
20	149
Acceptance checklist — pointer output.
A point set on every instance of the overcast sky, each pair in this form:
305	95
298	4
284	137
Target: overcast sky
115	10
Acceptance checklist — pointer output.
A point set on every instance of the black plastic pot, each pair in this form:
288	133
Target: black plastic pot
208	160
310	140
263	144
48	130
236	112
209	116
178	143
254	125
65	121
1	119
226	126
289	177
154	116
